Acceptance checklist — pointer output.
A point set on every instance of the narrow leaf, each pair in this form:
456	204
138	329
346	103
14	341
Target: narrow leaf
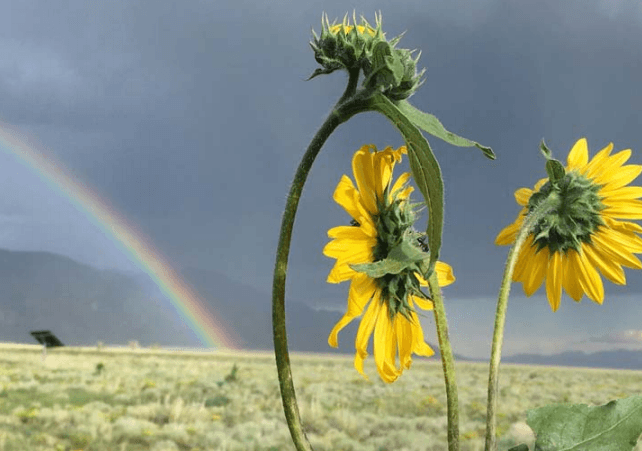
381	267
425	170
431	124
406	252
615	426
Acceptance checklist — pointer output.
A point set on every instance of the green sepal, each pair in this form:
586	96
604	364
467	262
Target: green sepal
555	171
545	150
321	71
386	67
615	426
425	171
429	123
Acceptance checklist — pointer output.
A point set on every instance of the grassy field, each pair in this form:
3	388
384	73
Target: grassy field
133	399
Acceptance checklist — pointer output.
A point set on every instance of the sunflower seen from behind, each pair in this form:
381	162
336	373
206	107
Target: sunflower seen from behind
383	257
585	232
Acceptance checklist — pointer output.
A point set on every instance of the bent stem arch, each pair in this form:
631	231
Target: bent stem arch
347	106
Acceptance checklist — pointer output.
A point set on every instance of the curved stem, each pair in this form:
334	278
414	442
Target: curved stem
341	113
447	361
500	319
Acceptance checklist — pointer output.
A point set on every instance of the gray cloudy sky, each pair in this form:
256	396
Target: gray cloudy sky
191	117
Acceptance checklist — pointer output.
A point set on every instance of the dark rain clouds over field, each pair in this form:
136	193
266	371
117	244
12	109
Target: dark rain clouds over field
191	117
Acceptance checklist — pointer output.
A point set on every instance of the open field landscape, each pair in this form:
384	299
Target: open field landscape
134	399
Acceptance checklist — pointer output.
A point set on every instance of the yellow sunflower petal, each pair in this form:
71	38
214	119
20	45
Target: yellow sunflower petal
589	279
347	196
578	156
364	174
383	340
618	177
445	274
403	330
348	233
508	234
333	338
623	193
383	163
607	267
422	303
362	289
611	166
538	266
572	273
622	226
540	183
523	195
399	184
593	166
625	209
554	277
365	330
607	242
353	250
419	346
526	253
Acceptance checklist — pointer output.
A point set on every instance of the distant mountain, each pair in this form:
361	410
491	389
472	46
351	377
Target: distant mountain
79	304
83	305
616	359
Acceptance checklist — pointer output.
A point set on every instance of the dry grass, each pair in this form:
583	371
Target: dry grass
153	399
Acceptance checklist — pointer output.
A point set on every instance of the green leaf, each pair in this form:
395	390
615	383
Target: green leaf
431	124
381	267
406	252
425	170
615	426
522	447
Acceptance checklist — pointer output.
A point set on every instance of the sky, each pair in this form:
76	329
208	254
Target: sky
190	118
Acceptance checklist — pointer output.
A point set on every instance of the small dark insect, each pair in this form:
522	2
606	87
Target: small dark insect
354	223
422	243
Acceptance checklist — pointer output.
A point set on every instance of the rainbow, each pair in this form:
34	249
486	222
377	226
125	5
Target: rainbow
189	306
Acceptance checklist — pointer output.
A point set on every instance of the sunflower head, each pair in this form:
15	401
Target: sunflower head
384	258
575	206
582	231
344	46
363	47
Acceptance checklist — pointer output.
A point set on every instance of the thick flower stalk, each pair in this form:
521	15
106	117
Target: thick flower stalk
584	231
382	256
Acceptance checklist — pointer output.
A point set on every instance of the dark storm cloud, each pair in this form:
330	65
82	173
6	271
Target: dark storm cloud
190	117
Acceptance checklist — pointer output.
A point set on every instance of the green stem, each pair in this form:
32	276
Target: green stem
500	319
345	109
447	362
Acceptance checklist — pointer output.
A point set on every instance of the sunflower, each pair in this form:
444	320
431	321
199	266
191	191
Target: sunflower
382	221
584	232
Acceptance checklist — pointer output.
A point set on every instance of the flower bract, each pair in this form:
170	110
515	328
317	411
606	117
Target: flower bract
584	233
382	256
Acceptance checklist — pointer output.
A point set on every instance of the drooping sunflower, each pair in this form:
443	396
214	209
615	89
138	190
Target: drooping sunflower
382	219
584	232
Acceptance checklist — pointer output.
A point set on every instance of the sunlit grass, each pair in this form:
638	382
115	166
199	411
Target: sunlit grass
153	399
